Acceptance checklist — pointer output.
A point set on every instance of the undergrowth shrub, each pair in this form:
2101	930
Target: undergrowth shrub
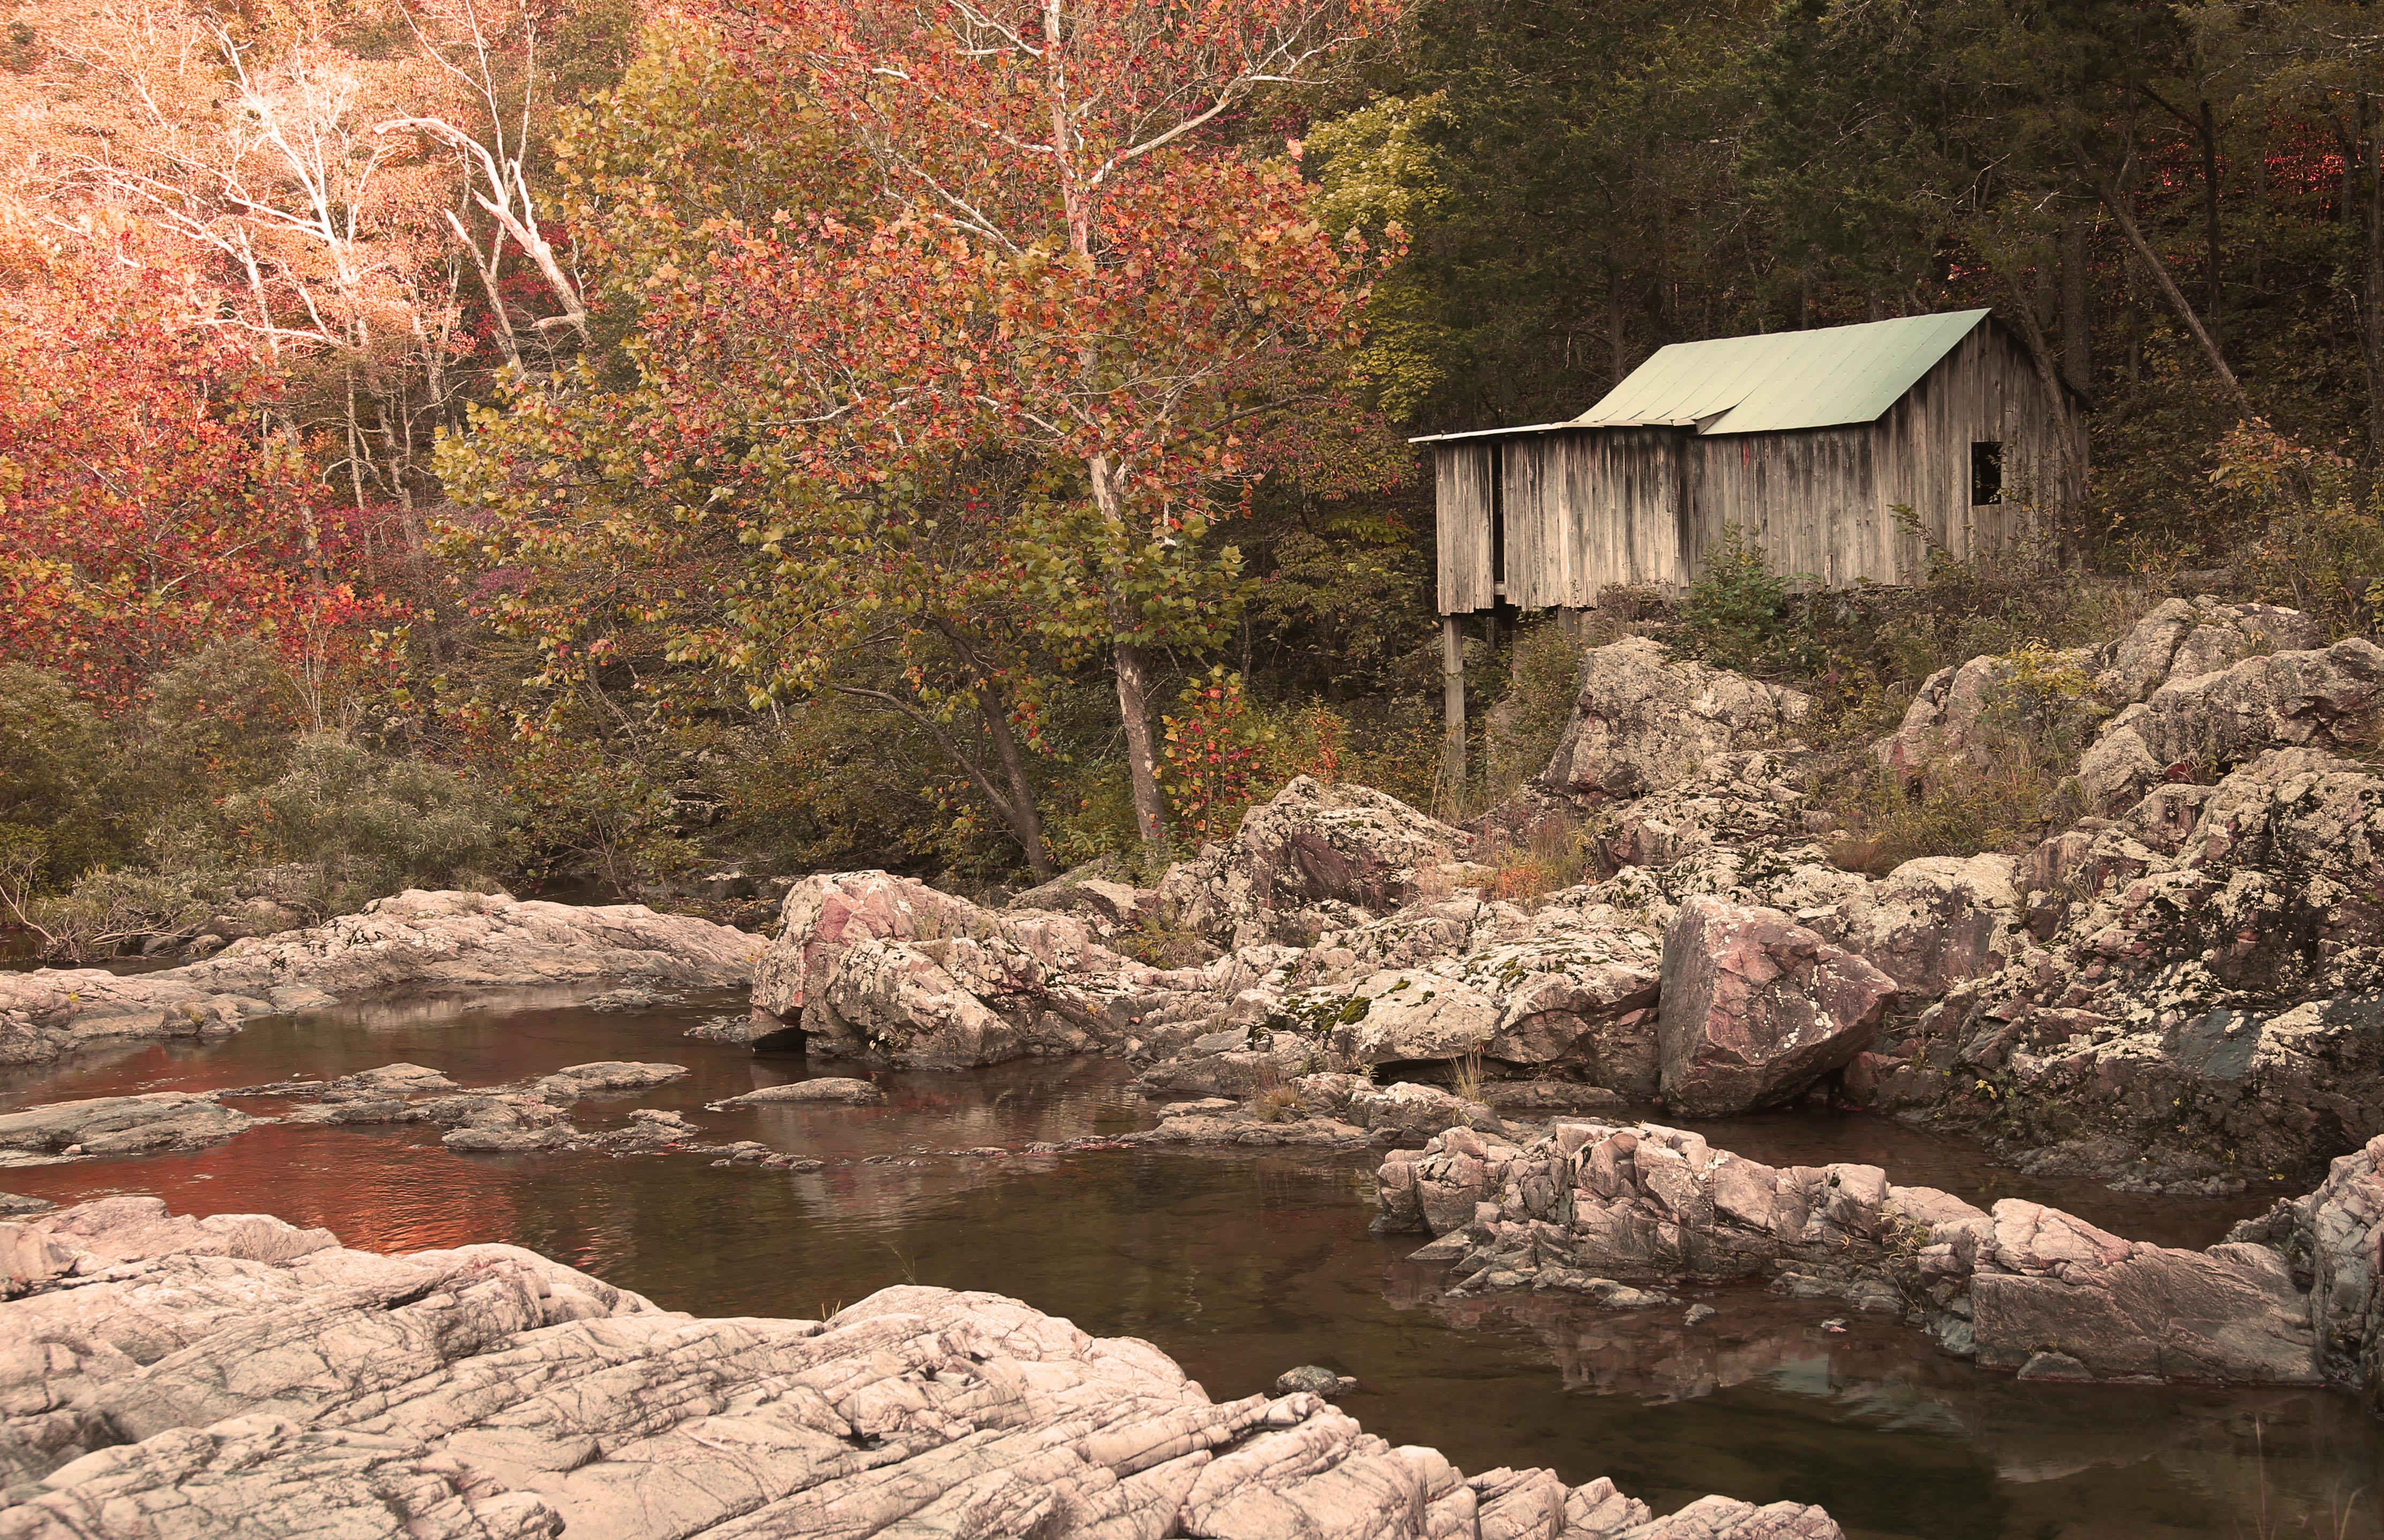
1741	615
2317	523
369	822
1210	748
65	789
1277	1104
1160	941
581	810
109	909
2009	782
222	720
1520	733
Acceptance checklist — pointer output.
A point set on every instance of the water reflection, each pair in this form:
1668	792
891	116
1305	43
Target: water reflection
1241	1265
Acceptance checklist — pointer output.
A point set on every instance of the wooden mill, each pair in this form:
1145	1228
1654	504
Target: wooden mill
1844	454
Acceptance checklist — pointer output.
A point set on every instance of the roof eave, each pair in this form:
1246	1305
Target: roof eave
1491	432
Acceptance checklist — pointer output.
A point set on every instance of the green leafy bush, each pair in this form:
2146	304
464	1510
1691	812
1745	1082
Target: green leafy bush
1741	615
63	785
371	823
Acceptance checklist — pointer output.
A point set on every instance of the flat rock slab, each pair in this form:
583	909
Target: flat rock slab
239	1377
575	1081
825	1089
121	1125
443	939
1645	1202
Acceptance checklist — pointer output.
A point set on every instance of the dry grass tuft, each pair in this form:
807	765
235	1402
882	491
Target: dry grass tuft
1277	1104
1555	855
1465	1079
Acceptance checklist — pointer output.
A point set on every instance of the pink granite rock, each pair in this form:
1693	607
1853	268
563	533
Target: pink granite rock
1755	1008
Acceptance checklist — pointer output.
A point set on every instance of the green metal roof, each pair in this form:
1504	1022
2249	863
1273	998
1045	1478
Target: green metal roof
1788	379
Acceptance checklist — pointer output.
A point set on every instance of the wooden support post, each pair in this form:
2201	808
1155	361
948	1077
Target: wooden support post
1452	708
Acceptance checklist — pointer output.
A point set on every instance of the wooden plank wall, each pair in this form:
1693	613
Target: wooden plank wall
1530	502
1462	474
1625	499
1588	509
1807	499
1985	389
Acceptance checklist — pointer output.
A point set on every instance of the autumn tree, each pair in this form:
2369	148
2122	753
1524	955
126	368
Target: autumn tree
147	506
1149	299
707	522
347	188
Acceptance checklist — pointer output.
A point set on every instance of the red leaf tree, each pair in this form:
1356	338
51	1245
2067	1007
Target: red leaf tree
146	505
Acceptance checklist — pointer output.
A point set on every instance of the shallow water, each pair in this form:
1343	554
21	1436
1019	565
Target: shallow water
1241	1265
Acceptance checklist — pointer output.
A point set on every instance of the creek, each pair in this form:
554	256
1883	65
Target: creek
1241	1264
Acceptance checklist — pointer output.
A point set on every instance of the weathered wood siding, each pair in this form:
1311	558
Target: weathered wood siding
1586	509
1984	390
1807	499
1464	473
1611	501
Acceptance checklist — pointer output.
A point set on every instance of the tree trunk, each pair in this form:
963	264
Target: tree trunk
1015	806
2118	205
2371	328
1614	327
1452	707
1026	823
2210	220
2071	435
1141	748
1133	671
2076	323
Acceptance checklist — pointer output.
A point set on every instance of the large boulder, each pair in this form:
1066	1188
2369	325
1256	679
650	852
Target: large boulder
1755	1008
1936	921
428	940
1642	722
1577	993
1740	802
2202	1007
2199	727
1094	894
1570	990
1402	1016
2336	1235
2185	640
1949	718
1313	858
2214	1098
872	966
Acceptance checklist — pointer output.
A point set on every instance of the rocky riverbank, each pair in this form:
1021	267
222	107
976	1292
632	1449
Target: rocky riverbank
414	940
2293	1298
2179	992
235	1375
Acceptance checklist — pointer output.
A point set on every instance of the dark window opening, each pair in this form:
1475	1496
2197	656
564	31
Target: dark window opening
1986	472
1497	519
